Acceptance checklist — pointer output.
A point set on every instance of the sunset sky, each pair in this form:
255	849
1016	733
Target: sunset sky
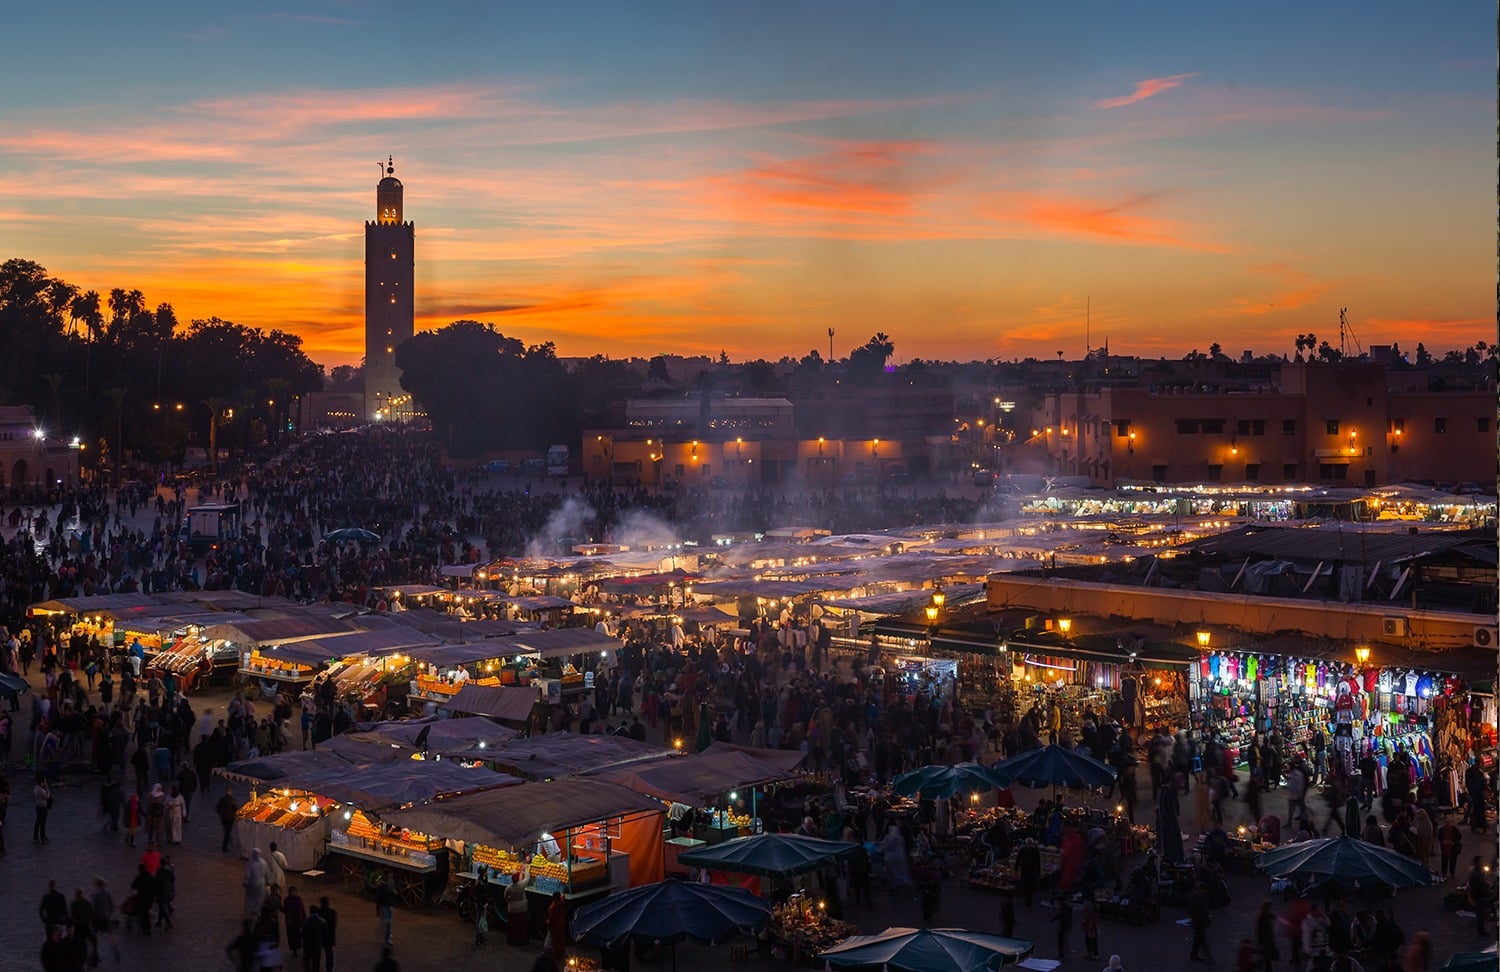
642	178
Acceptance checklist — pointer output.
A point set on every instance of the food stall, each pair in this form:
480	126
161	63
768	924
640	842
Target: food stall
578	837
511	705
292	818
716	791
266	658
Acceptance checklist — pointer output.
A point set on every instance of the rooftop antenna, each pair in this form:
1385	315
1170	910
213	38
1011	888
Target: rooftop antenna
1088	314
830	345
1346	334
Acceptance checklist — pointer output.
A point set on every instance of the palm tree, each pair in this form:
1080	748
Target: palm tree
60	298
85	309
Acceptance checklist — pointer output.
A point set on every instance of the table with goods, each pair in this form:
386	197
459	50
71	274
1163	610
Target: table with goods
368	848
801	928
295	821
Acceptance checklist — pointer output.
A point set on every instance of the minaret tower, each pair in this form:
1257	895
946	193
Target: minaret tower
389	301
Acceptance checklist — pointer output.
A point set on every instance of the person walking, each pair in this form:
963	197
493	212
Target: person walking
330	938
4	808
387	961
257	874
1265	936
385	905
557	928
166	892
132	818
142	897
1028	869
41	793
517	911
1090	931
1064	919
314	932
294	912
1478	887
103	902
176	811
1199	920
1450	838
226	809
276	871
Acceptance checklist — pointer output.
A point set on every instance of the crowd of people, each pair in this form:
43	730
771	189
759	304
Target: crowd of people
781	686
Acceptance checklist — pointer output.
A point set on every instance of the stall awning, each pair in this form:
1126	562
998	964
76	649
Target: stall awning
785	759
509	702
443	735
278	631
452	656
281	766
539	602
97	604
395	783
1150	655
560	642
315	651
514	816
696	780
415	590
561	754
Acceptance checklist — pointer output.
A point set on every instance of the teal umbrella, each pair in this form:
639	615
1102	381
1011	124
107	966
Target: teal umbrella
960	779
668	912
770	855
1472	962
1055	766
927	950
11	686
1345	861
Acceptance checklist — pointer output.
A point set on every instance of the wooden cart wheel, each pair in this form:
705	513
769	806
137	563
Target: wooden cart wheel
412	889
354	873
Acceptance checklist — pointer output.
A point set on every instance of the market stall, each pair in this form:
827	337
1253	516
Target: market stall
801	928
711	797
557	755
574	836
509	704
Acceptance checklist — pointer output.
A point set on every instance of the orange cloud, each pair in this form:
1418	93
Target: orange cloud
1146	89
1293	290
1126	220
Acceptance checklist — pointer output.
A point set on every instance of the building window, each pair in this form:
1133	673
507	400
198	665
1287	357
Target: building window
1215	472
1159	473
1187	426
1289	472
1440	425
1251	427
1484	423
1252	472
1333	426
1213	426
1333	470
1122	428
1288	426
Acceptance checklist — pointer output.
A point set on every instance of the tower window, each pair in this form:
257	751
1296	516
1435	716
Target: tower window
389	349
393	254
393	298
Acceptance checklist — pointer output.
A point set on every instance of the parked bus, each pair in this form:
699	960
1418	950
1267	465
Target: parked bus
557	461
206	528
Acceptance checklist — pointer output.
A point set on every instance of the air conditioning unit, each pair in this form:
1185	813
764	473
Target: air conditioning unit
1484	637
1393	627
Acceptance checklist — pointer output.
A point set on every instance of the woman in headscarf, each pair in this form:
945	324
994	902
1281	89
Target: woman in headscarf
1423	834
517	911
156	812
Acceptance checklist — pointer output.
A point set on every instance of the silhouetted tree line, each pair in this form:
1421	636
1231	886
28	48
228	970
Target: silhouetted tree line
486	392
111	369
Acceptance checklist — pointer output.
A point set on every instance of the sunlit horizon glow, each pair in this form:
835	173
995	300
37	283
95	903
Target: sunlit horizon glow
990	184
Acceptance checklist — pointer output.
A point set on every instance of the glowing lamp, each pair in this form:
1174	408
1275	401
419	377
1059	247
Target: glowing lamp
1065	625
1204	637
1362	654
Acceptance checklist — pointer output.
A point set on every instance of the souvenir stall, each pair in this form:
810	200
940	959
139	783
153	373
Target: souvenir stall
580	837
1223	695
908	675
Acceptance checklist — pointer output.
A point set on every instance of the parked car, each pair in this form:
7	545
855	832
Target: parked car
497	466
